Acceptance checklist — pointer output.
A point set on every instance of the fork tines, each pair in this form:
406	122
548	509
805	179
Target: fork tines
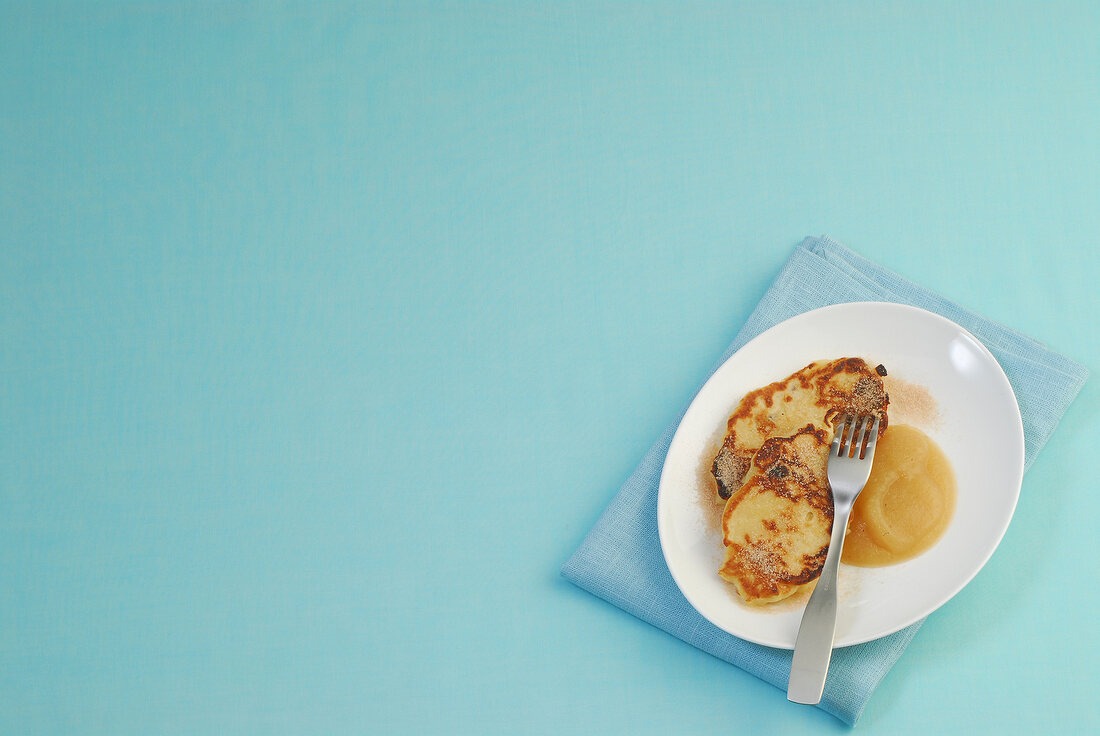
855	434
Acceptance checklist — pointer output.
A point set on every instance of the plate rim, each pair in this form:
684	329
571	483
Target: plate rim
1018	437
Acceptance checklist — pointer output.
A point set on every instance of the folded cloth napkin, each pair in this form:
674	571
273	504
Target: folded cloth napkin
621	561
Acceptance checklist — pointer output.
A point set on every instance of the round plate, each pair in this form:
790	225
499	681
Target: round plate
978	428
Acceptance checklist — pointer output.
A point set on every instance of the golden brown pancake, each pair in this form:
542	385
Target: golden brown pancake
845	385
772	468
776	527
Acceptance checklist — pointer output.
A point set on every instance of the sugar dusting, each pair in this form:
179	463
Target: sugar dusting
706	490
911	403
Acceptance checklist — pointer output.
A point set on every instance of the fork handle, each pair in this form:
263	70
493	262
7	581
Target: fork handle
814	646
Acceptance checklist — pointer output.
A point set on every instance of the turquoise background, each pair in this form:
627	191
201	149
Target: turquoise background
327	331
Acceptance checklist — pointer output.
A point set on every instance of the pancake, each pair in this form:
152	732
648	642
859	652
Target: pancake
808	396
776	527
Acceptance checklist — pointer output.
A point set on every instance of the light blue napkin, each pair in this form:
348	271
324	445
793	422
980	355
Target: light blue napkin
620	560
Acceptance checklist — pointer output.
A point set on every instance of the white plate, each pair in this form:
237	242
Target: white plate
979	429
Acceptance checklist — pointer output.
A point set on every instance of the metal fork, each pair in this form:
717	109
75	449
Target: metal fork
850	458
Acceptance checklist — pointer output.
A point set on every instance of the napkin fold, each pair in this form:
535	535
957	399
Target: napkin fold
621	561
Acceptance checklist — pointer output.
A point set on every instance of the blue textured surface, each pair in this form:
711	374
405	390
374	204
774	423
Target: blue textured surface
621	559
328	331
